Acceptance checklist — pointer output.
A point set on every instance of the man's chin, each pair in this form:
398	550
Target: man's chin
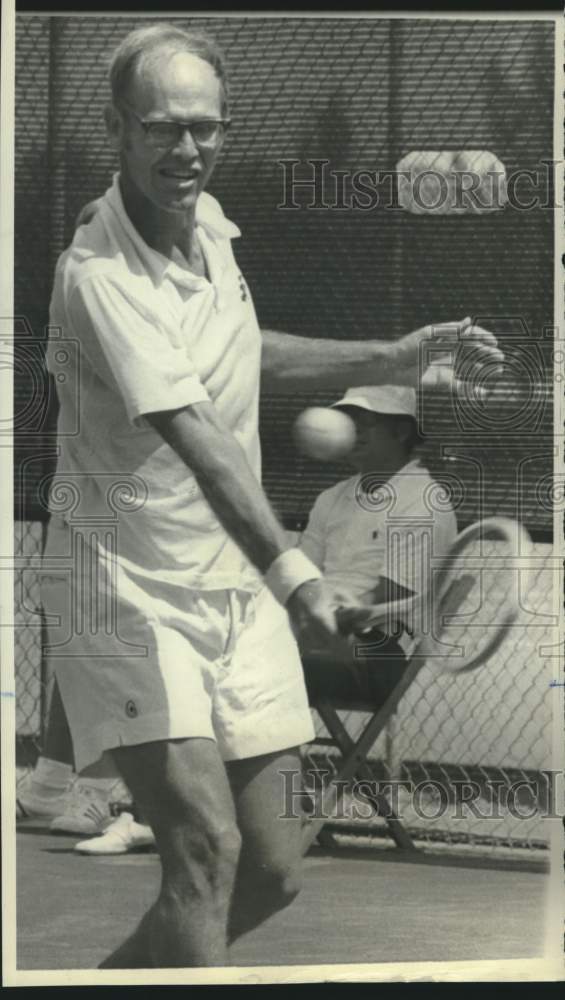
180	205
177	201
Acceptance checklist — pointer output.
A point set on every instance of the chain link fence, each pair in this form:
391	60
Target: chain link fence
30	676
468	755
349	99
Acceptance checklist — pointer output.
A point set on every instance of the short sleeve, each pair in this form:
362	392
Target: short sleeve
130	348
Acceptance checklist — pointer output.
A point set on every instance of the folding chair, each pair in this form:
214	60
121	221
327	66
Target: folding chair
442	603
354	753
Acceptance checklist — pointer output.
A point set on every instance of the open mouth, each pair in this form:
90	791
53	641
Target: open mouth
180	176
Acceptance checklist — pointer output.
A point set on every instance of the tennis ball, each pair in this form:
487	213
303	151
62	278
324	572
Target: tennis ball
324	434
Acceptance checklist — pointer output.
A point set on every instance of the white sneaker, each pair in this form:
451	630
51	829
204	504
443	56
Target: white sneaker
121	836
35	799
87	812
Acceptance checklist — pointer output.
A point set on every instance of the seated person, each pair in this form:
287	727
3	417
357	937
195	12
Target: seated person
374	536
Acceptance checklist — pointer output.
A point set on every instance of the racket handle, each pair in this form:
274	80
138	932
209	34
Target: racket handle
345	618
353	621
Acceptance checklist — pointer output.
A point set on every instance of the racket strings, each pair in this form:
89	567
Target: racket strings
477	598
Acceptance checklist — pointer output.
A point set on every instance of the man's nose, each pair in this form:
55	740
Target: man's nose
186	143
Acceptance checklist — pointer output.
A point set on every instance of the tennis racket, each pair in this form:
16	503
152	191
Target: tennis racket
474	599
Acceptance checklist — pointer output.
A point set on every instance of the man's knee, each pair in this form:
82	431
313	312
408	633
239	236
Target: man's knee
288	883
278	881
200	858
223	843
182	789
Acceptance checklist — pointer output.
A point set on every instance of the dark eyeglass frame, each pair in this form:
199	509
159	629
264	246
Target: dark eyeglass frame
180	127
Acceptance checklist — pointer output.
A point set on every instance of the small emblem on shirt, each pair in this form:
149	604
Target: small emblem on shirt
243	288
375	535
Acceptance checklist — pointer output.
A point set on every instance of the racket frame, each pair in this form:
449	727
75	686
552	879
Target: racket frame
441	602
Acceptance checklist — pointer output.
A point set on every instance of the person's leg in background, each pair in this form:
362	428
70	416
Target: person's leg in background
269	874
127	832
45	790
370	674
74	805
79	806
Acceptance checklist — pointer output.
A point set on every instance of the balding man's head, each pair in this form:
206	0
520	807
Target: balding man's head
146	47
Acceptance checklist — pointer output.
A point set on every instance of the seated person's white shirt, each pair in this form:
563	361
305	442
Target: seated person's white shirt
395	531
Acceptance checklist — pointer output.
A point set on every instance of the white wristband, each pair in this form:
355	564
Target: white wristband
288	572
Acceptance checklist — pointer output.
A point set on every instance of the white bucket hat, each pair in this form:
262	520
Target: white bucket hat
396	399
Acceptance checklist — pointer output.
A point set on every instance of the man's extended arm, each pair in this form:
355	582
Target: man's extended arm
288	361
440	355
222	471
209	449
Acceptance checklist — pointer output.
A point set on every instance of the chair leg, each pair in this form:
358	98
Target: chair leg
354	756
378	800
381	804
326	839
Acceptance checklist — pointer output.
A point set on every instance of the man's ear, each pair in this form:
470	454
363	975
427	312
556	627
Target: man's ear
114	127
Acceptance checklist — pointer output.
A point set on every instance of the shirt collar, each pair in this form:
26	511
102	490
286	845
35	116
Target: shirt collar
412	466
209	216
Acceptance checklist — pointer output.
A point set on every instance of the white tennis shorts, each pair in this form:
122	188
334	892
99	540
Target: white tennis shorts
137	664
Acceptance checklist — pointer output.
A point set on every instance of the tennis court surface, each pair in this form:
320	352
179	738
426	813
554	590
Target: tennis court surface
356	907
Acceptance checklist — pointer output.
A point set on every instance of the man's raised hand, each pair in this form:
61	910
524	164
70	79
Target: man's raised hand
457	356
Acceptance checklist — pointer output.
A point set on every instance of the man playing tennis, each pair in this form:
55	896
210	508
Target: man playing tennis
196	693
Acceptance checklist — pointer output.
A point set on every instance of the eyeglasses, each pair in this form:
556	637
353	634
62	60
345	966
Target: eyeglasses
163	133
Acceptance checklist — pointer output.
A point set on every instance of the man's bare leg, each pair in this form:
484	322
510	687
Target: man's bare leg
269	874
182	788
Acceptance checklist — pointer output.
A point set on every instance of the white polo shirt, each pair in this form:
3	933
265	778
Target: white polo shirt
356	536
153	336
